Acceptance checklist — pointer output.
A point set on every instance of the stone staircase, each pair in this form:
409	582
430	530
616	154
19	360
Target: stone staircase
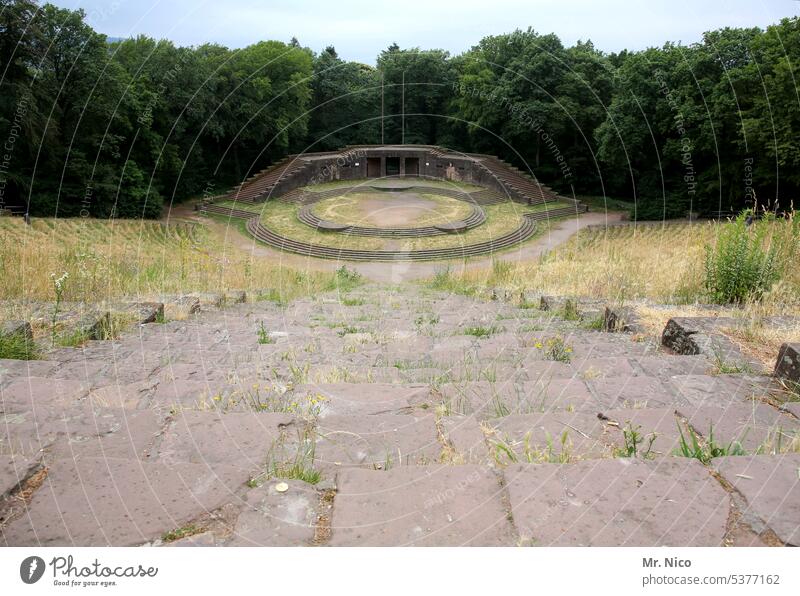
259	186
521	186
391	416
526	230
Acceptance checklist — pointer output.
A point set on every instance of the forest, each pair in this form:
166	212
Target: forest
104	128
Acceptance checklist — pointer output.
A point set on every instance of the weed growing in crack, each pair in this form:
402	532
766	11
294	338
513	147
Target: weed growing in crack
348	301
723	366
182	532
263	335
569	312
291	462
634	442
269	399
554	348
778	442
555	451
705	451
59	286
593	324
482	332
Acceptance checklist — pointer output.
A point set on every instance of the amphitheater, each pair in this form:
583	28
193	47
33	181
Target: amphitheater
395	414
392	188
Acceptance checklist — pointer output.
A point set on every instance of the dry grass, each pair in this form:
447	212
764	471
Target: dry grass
135	259
762	339
647	267
621	263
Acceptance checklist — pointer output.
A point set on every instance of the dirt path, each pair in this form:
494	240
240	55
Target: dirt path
559	233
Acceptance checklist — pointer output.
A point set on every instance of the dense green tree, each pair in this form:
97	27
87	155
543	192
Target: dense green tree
101	129
536	103
417	86
20	119
346	103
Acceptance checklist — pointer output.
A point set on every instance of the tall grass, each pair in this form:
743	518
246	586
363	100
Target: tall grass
138	259
618	263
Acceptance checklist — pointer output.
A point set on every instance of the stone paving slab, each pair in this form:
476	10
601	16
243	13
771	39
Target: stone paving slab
121	395
754	425
548	395
465	441
594	368
191	395
771	486
548	369
13	471
399	391
86	369
19	435
380	441
106	501
601	346
25	393
720	390
618	502
240	440
635	392
541	438
104	433
343	399
131	369
793	407
492	400
272	518
11	369
78	429
202	539
665	366
420	506
183	371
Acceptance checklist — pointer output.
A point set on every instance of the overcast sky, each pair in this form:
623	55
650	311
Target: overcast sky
361	29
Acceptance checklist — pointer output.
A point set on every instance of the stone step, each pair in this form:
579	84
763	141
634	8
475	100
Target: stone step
408	417
120	502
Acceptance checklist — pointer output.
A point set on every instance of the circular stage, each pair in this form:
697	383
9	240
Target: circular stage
406	214
414	220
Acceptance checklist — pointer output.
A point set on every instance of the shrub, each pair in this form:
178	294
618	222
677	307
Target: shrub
345	279
17	347
750	255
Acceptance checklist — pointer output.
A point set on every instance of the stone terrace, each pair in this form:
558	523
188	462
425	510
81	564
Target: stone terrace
389	417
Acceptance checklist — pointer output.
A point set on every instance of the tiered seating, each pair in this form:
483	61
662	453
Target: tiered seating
227	211
518	185
522	233
261	184
526	189
396	415
487	196
552	213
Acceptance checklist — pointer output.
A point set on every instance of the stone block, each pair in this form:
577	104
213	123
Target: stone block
618	502
771	486
788	364
420	506
21	329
